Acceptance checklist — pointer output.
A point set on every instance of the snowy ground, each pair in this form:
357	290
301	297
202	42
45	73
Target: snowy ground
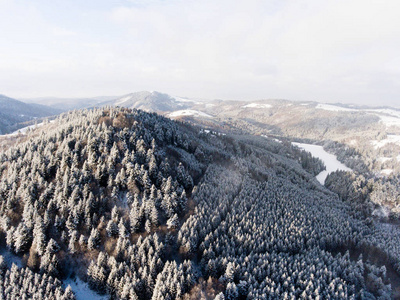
122	100
391	138
257	105
82	290
386	172
332	107
389	117
189	112
24	130
11	258
185	100
390	121
276	140
330	160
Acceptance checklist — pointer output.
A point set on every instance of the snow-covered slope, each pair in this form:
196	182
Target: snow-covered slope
257	105
330	160
391	138
331	107
188	112
388	116
150	101
82	290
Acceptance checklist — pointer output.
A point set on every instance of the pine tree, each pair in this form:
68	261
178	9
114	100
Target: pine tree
94	239
231	292
23	238
230	272
173	222
147	226
39	236
112	228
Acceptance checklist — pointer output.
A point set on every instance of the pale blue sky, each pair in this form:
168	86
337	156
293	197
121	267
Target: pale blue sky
329	51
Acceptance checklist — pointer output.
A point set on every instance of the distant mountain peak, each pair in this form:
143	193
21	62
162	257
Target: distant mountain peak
148	101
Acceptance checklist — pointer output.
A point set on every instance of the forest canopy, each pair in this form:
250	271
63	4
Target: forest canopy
142	207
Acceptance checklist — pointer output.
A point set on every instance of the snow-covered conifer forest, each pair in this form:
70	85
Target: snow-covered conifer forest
143	207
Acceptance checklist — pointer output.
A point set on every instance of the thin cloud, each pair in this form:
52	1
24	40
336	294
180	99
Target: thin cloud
309	50
57	31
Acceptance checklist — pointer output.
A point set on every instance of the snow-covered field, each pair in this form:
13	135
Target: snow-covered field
390	121
391	138
332	107
387	111
389	117
189	112
82	290
185	100
330	160
257	105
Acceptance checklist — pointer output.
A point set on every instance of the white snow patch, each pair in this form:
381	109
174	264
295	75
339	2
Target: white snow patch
387	171
185	100
381	212
122	100
353	142
82	290
391	138
330	160
331	107
257	105
11	258
389	121
24	130
389	117
387	111
214	133
189	112
276	140
383	159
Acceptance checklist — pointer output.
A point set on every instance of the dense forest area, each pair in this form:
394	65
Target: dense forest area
142	207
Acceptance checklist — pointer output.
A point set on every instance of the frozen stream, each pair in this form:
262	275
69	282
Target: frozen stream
330	160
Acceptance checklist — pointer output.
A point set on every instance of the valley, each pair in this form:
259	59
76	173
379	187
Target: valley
330	161
364	139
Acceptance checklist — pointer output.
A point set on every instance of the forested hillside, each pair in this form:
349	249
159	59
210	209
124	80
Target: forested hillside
142	207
